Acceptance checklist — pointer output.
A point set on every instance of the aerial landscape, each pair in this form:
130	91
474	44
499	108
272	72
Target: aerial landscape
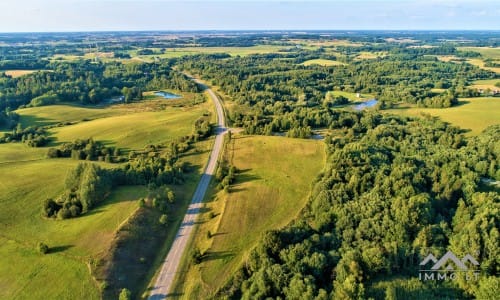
274	150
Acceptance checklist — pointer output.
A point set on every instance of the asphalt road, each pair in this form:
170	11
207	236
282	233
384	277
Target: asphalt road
171	262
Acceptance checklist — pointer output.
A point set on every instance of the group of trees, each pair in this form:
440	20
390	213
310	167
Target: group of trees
393	190
86	149
85	186
33	136
8	119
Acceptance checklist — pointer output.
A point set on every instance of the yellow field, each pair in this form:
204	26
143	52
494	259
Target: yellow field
371	55
480	63
19	73
323	62
473	114
272	188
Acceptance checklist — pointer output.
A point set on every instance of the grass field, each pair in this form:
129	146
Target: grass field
121	126
486	84
269	192
47	115
486	52
473	114
62	274
19	73
353	96
480	63
370	55
233	51
27	177
323	62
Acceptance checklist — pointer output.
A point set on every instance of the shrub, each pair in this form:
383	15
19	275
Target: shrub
43	248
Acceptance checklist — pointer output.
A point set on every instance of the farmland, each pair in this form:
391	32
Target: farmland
472	114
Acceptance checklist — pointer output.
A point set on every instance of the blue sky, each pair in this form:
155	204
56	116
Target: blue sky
95	15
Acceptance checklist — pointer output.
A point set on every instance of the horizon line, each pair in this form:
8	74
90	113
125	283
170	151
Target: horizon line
254	30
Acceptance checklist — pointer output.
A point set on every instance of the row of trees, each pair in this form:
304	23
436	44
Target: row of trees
86	149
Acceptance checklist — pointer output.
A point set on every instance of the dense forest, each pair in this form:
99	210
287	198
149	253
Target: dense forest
393	191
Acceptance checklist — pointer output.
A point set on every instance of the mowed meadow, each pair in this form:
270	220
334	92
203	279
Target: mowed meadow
27	178
472	114
271	187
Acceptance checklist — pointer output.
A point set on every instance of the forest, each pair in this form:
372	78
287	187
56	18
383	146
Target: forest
276	93
393	190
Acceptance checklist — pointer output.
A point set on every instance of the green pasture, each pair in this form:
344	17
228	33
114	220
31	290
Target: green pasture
271	188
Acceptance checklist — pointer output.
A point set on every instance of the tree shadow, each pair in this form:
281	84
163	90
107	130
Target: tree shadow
242	178
219	233
215	255
198	210
58	249
461	103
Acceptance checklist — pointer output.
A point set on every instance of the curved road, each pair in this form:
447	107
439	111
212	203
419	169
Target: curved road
171	263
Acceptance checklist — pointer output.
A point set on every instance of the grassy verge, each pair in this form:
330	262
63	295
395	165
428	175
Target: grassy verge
269	192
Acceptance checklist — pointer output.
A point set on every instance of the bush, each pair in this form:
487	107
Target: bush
163	219
43	248
125	294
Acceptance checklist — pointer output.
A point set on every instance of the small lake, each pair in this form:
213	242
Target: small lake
168	95
367	104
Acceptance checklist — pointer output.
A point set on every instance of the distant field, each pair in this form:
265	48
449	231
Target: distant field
486	52
480	63
269	192
19	73
370	55
353	96
46	115
233	51
486	84
474	114
323	62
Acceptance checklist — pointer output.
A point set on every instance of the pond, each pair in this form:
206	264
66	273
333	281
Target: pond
167	95
367	104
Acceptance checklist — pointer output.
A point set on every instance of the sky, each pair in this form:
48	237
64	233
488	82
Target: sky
111	15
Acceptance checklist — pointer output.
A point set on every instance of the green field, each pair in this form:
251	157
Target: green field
353	96
47	115
486	84
27	177
473	114
322	62
269	192
486	52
